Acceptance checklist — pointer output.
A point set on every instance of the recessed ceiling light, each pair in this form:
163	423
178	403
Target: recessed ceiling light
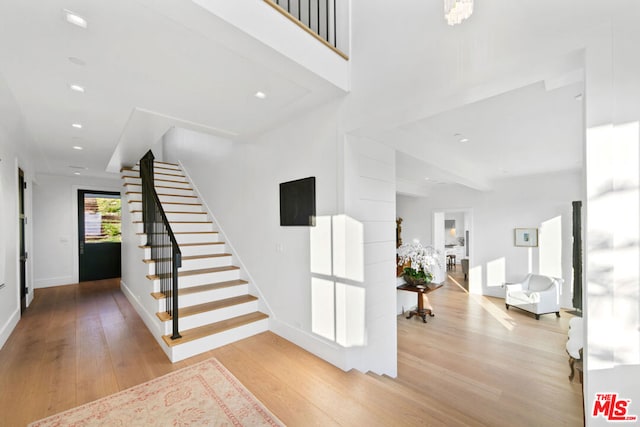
76	173
260	95
76	88
464	140
76	60
77	125
77	147
74	18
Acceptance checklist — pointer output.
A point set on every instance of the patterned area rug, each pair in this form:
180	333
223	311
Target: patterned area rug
205	394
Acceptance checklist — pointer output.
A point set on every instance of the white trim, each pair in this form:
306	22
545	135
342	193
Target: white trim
328	351
152	323
244	270
54	281
9	326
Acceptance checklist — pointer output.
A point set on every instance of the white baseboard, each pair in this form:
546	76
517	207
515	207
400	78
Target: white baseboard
152	323
331	352
53	281
8	327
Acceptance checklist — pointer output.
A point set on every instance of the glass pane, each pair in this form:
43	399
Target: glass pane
102	219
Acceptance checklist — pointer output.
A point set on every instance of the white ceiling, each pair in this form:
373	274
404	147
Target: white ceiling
506	79
143	59
526	131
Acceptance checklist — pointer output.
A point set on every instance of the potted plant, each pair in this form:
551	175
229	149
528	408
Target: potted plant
418	262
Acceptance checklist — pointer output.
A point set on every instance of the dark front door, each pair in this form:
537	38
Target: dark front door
99	234
23	250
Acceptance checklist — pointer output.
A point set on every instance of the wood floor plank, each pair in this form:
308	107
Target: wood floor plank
474	364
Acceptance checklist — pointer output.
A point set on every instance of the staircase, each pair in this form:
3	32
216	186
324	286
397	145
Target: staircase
215	307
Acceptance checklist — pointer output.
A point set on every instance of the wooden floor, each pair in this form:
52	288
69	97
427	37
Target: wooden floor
474	363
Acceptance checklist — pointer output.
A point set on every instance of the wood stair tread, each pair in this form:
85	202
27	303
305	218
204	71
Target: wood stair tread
189	258
202	288
127	184
169	203
155	179
162	163
155	172
214	328
196	272
171	195
208	306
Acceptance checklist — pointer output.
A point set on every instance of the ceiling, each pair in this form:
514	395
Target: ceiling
526	131
507	80
141	62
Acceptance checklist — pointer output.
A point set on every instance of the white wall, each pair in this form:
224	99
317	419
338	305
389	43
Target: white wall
55	204
369	198
240	182
612	295
542	202
416	222
14	154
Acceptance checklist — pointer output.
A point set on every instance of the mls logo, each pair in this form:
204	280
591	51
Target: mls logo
611	408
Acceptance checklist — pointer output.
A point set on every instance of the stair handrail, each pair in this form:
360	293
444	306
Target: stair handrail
160	237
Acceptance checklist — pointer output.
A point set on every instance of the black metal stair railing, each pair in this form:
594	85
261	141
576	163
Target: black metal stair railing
165	251
320	16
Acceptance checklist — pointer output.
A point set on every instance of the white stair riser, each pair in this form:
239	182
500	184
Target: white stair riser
199	263
158	174
190	216
184	227
173	176
183	351
188	238
164	198
197	238
137	206
202	297
194	250
193	216
161	189
207	317
162	182
201	279
202	249
191	226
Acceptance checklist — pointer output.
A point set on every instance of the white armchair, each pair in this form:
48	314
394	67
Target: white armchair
536	294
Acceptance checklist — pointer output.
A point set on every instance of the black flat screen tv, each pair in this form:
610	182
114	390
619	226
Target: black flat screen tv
298	202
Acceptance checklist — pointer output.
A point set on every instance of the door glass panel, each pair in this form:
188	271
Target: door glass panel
102	218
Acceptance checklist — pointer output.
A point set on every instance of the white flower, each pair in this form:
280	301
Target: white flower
421	258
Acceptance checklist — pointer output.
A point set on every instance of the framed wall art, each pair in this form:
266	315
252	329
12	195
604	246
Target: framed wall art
527	237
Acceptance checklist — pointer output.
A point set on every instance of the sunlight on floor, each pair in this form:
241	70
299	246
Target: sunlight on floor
503	318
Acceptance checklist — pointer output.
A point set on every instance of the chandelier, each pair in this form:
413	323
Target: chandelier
456	11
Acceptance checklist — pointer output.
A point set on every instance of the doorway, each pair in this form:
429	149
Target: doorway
21	237
452	230
99	234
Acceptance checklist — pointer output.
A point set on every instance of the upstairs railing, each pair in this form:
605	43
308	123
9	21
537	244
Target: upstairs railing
320	18
165	251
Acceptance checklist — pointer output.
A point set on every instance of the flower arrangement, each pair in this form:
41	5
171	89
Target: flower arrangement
420	259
